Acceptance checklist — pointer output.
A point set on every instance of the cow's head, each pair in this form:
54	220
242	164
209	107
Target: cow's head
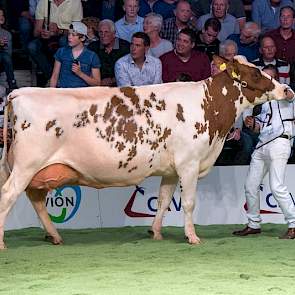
256	86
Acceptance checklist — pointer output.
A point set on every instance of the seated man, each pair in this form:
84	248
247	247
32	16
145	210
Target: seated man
229	24
109	49
185	60
206	40
181	20
236	9
267	56
51	32
138	67
131	22
75	65
247	41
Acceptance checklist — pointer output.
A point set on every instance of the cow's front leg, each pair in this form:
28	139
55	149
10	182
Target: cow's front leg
188	186
37	198
167	188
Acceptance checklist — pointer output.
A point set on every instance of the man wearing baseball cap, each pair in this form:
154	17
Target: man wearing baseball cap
75	65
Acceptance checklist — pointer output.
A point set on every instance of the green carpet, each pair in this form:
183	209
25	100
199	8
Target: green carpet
126	261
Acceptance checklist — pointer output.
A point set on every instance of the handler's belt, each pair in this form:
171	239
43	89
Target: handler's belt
286	136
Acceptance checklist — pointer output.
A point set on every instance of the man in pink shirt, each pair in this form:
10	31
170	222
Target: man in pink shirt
185	60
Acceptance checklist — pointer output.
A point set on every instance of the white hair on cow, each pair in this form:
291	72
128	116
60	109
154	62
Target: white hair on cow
243	60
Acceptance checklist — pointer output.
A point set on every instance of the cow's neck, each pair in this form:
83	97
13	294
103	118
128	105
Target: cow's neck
223	104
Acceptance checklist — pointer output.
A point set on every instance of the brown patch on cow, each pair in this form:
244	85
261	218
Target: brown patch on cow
179	114
93	110
130	93
166	134
120	146
50	124
220	110
141	135
120	165
123	110
132	169
201	128
82	119
127	129
153	96
147	103
14	119
58	132
25	125
132	153
241	99
154	145
161	106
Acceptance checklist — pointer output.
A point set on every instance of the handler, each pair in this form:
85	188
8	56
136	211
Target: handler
275	124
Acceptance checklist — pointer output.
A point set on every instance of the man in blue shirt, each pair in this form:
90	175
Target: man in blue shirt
247	41
266	13
138	67
75	65
164	7
131	22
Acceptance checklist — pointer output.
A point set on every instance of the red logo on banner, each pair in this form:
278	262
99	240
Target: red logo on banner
128	209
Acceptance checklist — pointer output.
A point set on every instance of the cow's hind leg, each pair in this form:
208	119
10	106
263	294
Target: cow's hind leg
188	176
12	188
167	188
38	199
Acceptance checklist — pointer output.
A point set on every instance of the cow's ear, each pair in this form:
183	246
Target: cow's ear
220	62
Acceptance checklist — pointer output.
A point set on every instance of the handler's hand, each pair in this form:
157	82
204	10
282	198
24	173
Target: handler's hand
249	122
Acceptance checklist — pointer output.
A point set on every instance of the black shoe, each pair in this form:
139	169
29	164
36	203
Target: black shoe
289	235
247	231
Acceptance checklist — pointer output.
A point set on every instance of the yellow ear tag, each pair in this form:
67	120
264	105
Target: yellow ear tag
222	67
234	75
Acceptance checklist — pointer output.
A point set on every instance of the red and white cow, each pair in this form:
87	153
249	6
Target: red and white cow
103	137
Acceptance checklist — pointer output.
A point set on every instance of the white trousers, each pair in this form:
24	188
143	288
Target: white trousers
271	158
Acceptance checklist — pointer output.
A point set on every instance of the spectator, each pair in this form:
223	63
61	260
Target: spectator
131	22
265	13
247	41
50	32
92	24
138	67
20	19
181	20
103	9
185	60
162	7
268	51
5	53
152	26
206	40
109	50
284	36
229	24
75	65
236	9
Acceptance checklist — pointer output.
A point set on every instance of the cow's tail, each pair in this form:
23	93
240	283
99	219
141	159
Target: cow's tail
4	167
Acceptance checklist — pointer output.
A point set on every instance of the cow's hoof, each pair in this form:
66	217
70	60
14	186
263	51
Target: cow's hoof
193	240
155	235
54	240
3	247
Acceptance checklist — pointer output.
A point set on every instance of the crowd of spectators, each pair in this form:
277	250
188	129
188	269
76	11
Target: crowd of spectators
80	43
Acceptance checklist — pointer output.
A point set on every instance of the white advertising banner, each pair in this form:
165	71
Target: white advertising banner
220	200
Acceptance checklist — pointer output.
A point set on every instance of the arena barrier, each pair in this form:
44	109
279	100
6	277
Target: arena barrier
220	200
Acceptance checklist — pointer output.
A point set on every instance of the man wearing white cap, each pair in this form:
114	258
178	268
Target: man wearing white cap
75	65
